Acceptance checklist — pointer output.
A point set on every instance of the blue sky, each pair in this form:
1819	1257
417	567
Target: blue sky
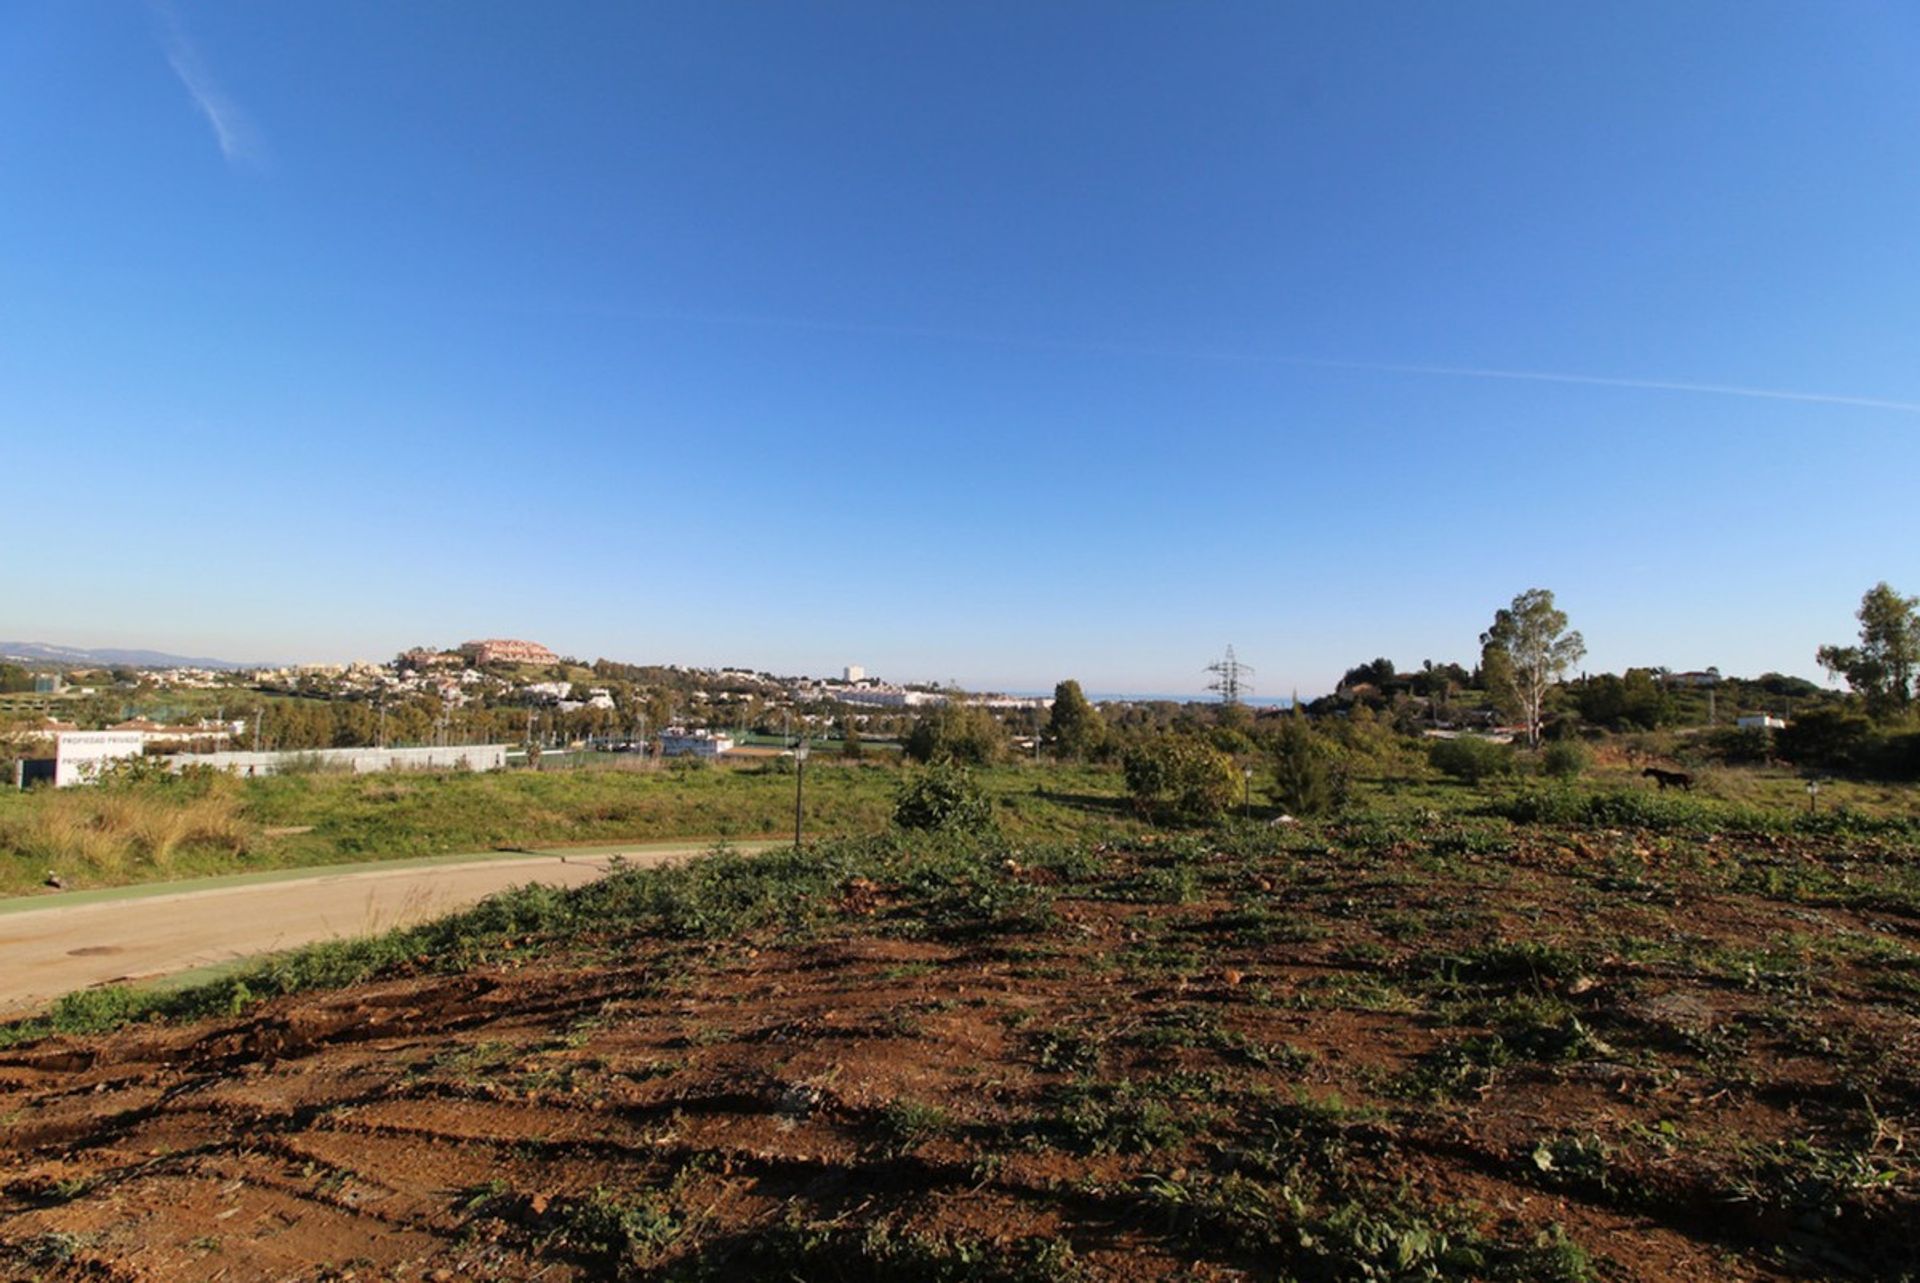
996	342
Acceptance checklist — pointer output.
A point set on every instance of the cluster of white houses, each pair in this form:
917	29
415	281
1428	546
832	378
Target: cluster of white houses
855	688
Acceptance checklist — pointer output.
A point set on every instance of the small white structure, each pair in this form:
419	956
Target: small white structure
853	673
679	743
1759	722
80	756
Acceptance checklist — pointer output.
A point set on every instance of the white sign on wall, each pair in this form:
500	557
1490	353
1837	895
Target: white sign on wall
80	756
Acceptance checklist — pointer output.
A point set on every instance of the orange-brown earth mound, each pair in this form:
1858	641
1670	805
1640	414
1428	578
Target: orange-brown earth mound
1434	1051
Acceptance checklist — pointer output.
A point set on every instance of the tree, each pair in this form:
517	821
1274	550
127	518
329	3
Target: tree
957	732
1494	675
658	710
1376	674
850	739
1177	777
1881	668
1830	738
1526	651
1307	779
1075	726
1619	703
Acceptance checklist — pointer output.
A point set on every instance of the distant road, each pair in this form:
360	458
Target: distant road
148	932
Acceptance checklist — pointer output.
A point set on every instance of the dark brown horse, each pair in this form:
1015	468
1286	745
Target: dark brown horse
1670	779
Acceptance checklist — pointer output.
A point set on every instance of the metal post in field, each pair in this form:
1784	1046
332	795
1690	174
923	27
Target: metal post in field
800	751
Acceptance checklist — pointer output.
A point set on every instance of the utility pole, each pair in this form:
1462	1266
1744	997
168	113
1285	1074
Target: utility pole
800	751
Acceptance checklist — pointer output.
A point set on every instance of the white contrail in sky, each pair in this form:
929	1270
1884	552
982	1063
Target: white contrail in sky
1604	381
1306	362
239	141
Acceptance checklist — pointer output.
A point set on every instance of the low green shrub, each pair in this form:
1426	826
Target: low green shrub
944	798
1636	808
1565	759
1470	759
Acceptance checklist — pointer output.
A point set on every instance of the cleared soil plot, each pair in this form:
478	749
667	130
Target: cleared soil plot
1457	1049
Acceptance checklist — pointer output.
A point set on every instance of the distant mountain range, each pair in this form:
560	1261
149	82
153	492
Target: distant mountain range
41	653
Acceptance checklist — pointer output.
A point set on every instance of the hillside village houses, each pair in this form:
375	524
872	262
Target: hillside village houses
204	734
699	699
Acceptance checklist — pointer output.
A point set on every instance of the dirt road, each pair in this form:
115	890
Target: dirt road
46	952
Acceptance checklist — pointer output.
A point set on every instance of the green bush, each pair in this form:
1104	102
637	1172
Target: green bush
1565	759
1834	739
1898	757
1181	779
1470	759
1740	745
944	798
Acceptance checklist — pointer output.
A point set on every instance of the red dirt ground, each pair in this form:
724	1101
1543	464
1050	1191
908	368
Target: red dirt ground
1728	1097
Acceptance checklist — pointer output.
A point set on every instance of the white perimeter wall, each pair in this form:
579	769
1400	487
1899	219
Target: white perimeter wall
472	757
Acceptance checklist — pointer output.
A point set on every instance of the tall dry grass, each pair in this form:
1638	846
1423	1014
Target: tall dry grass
110	834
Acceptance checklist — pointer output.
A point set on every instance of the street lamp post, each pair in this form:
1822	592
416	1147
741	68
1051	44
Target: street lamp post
800	751
1246	801
1813	796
